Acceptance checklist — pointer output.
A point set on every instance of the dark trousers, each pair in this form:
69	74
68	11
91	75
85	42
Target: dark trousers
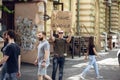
58	61
3	71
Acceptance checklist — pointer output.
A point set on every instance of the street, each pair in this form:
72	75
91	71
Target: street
62	28
108	67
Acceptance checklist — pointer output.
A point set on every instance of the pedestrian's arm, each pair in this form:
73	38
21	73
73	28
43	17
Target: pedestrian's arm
46	55
86	55
19	66
19	62
4	59
69	37
36	61
95	51
51	36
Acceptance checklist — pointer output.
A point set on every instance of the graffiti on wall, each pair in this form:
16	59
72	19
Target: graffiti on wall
27	31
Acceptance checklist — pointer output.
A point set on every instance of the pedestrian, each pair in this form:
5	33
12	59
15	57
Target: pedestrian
59	53
91	52
5	41
11	58
43	56
3	71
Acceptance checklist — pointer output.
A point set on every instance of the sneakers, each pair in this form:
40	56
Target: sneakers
99	77
81	76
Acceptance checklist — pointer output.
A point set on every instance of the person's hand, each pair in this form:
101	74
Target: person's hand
71	30
19	74
43	64
99	56
37	35
51	28
85	58
36	62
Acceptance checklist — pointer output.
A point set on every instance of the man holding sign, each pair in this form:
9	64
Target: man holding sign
59	53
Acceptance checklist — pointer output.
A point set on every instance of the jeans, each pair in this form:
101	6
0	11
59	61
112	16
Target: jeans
4	71
92	61
58	61
11	76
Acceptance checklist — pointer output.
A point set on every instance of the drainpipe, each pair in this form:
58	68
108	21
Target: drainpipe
109	25
78	14
70	5
109	5
45	12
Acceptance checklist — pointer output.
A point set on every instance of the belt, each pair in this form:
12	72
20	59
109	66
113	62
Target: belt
58	55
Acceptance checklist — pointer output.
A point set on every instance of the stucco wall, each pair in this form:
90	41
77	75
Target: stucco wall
0	10
66	8
28	21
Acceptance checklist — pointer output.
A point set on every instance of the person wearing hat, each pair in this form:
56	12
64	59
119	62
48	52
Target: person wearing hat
59	53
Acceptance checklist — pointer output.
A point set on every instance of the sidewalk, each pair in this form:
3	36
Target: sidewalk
108	66
82	57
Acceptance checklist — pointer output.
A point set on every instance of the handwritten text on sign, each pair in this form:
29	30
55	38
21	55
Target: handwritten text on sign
61	19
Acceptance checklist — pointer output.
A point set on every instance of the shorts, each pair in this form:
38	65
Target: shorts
41	70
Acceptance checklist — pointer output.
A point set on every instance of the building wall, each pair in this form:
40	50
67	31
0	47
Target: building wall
49	8
67	7
87	17
102	16
91	22
73	8
93	17
115	16
90	19
0	10
119	18
0	14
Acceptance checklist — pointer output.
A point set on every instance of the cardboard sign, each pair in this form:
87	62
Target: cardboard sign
62	20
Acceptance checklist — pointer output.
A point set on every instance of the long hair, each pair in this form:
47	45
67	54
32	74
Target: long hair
91	42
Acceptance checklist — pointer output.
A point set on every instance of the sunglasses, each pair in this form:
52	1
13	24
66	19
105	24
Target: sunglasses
60	32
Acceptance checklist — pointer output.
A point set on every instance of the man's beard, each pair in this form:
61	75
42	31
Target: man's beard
40	39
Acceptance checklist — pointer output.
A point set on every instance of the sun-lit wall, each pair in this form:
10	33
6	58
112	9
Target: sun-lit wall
87	17
102	16
114	16
0	14
68	5
0	10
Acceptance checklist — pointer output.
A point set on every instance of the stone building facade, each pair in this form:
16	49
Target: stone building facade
89	17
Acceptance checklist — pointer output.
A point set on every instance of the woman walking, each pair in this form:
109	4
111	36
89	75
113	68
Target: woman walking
91	52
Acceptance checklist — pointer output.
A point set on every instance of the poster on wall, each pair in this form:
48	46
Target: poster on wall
28	22
62	20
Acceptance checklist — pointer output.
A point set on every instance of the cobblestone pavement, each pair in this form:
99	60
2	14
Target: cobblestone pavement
108	66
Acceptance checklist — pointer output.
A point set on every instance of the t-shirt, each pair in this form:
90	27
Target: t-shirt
4	47
13	51
91	52
60	46
42	47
